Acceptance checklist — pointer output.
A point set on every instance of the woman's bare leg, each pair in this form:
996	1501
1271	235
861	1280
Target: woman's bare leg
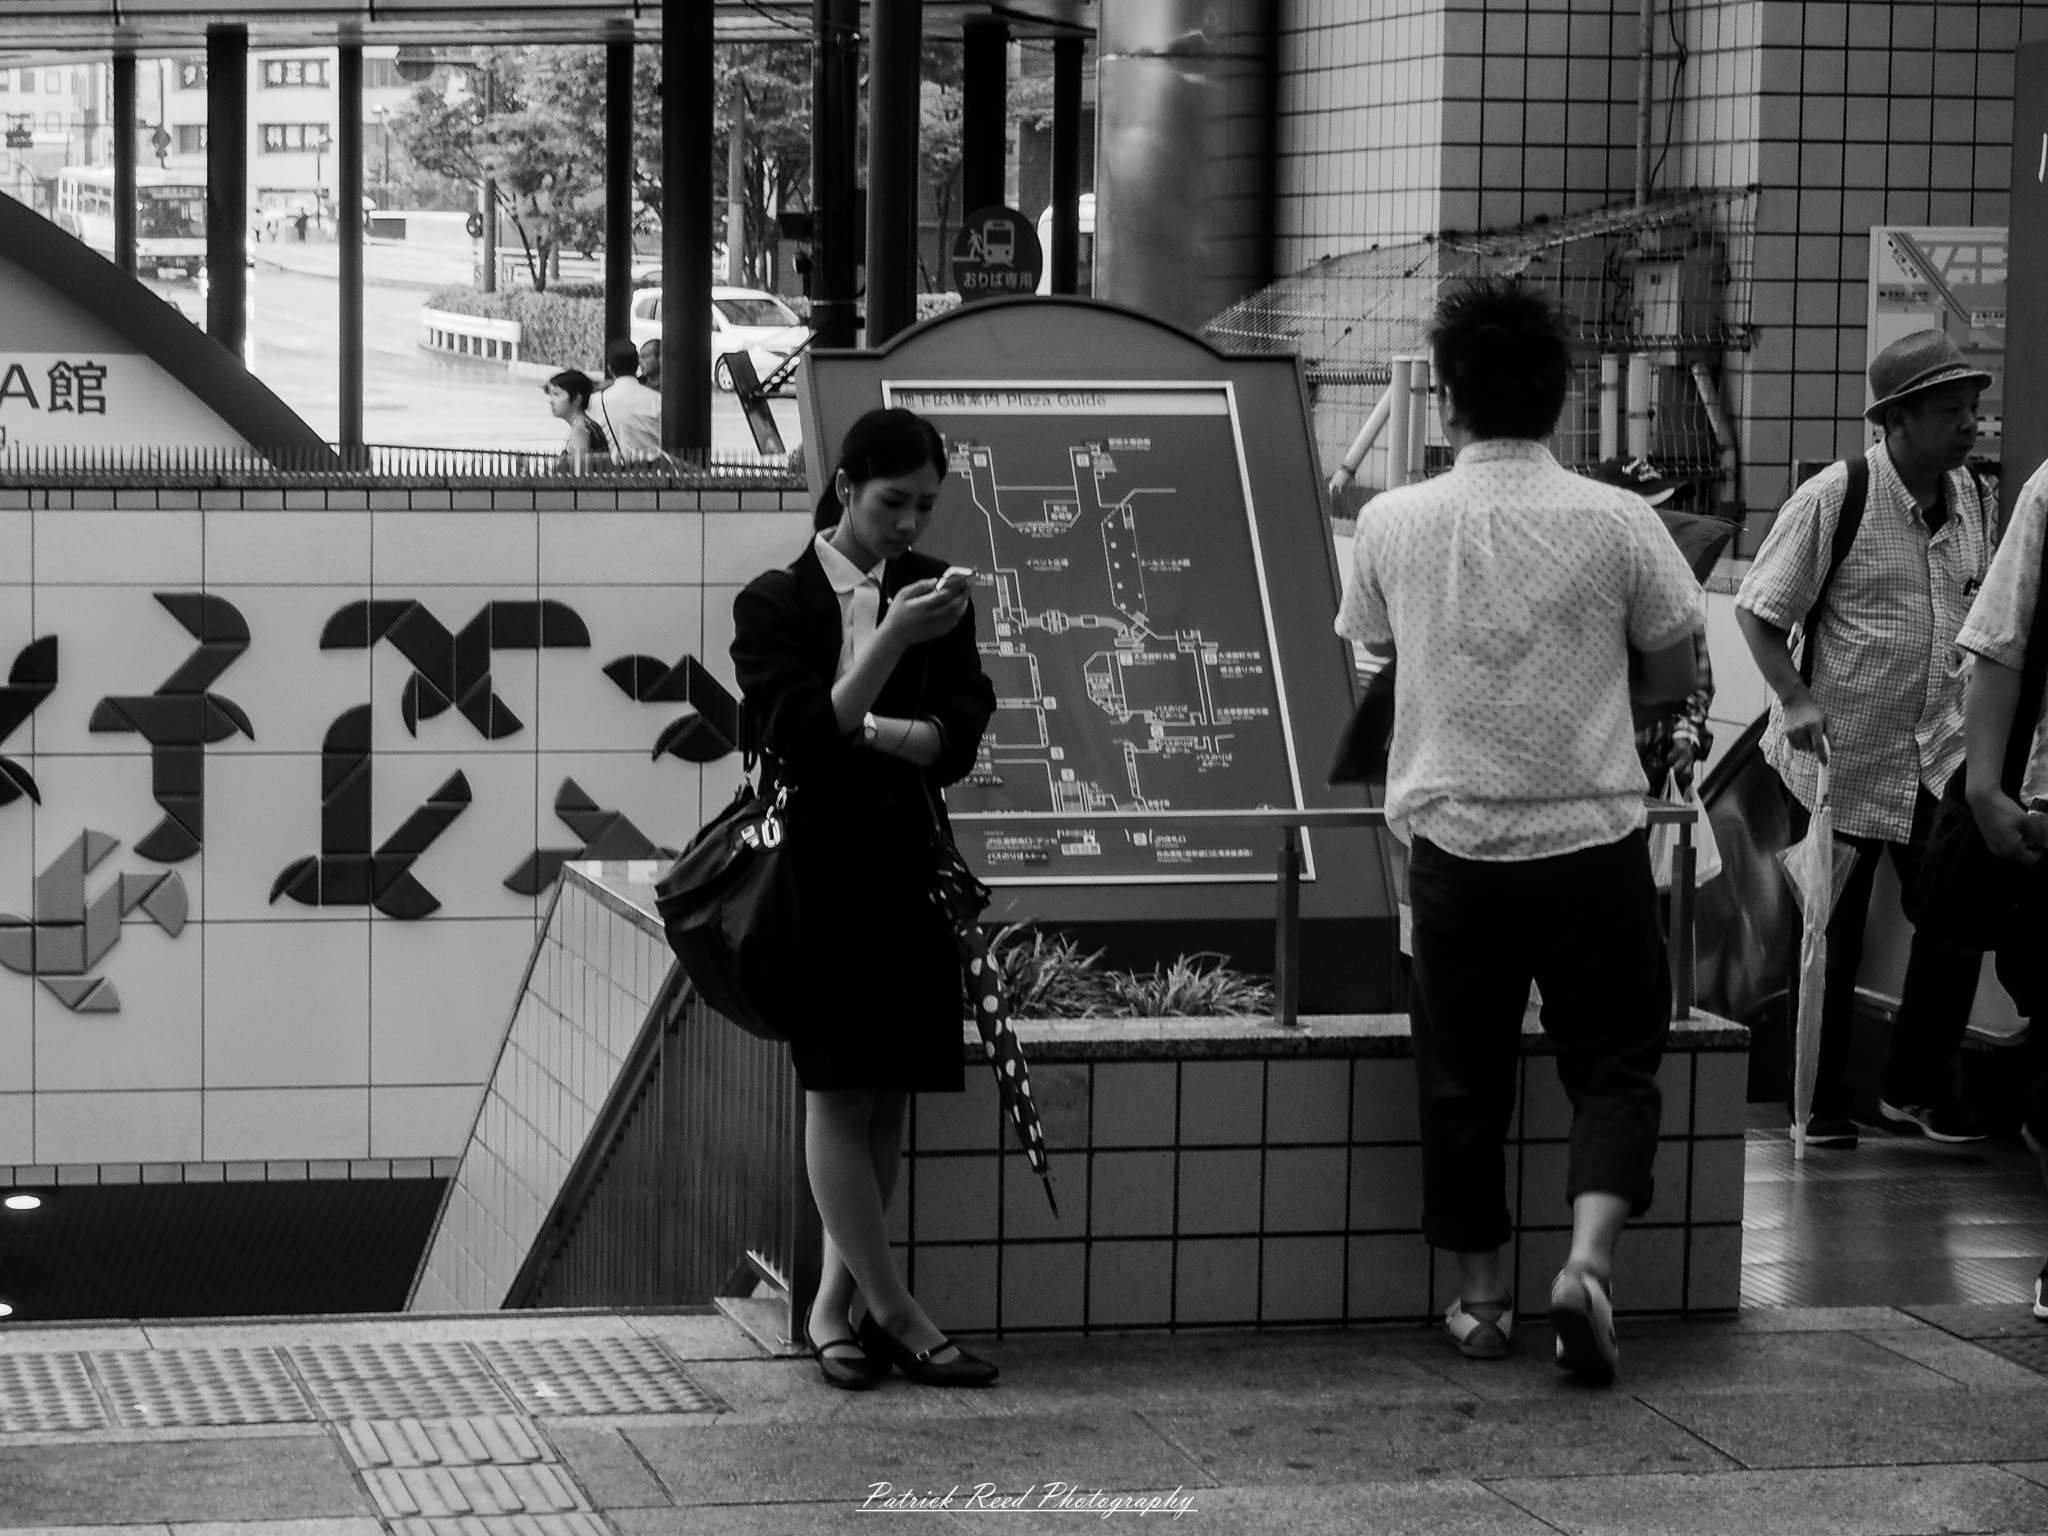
843	1149
836	1289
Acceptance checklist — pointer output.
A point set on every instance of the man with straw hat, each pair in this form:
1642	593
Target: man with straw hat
1875	561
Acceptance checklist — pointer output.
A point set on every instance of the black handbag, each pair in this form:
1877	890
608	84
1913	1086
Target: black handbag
729	906
1368	739
1962	890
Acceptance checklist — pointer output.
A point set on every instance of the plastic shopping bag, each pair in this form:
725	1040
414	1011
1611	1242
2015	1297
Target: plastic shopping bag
1706	853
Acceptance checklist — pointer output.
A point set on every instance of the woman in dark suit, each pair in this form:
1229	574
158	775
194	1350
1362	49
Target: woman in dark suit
862	681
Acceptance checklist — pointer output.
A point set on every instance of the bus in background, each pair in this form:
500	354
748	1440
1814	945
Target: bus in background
170	216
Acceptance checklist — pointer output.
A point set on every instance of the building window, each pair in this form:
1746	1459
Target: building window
294	138
295	72
191	138
28	82
192	75
382	75
53	83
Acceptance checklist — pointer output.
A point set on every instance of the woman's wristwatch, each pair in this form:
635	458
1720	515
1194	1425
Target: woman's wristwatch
870	731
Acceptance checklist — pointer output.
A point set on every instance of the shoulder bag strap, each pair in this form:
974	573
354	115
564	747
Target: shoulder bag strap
1846	526
2026	715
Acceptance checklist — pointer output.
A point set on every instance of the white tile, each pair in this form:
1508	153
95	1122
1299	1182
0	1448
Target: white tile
290	689
295	1123
161	1127
718	631
514	680
738	546
1740	692
465	867
158	549
263	814
153	1042
326	548
17	1128
421	1122
17	547
441	994
580	707
620	548
287	1006
111	641
660	797
414	549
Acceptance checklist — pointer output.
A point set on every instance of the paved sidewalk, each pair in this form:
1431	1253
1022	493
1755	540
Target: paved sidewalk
388	266
1859	1420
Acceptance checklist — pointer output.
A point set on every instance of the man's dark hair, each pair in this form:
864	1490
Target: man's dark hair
622	359
1502	351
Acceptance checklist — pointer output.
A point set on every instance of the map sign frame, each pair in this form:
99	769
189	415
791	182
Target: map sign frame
1178	702
1945	278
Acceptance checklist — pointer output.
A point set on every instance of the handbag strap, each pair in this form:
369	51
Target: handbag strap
2019	741
1846	527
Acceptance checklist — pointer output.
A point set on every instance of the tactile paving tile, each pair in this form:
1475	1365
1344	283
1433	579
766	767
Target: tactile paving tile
398	1381
505	1525
504	1440
47	1392
184	1388
439	1492
576	1376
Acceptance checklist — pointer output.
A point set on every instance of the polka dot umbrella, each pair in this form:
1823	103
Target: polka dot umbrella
961	897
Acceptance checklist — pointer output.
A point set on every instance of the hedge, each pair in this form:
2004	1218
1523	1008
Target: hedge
561	330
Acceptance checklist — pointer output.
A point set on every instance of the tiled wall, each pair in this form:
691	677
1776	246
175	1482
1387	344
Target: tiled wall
1207	1192
275	1031
594	978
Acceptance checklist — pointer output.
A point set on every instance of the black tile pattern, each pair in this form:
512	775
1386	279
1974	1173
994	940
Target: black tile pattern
605	834
32	679
455	668
708	732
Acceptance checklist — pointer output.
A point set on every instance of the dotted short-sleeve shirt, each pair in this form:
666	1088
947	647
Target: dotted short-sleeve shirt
1511	590
2009	607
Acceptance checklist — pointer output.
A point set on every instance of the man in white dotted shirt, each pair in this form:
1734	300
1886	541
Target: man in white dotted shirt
1881	692
1511	592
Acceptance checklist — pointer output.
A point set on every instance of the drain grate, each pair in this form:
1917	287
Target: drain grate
47	1392
504	1441
576	1376
506	1525
2030	1352
398	1381
184	1388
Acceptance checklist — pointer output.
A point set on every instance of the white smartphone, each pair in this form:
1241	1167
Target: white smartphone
957	576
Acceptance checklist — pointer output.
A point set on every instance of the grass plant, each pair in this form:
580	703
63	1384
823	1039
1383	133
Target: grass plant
1047	975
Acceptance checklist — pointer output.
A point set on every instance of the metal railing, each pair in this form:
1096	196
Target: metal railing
1287	903
39	466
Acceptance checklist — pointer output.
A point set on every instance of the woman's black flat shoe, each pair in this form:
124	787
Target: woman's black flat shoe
850	1374
964	1371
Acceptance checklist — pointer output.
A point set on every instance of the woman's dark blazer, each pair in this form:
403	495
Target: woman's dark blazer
883	979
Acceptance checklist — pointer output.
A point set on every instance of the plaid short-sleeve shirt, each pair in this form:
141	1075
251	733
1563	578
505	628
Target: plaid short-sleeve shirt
1888	670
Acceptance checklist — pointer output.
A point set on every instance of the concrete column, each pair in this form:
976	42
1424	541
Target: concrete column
1610	405
893	121
348	199
618	190
227	185
124	162
1642	404
688	93
836	234
984	113
1063	261
1184	178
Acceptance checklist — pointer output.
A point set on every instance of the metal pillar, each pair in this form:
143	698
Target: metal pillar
487	195
124	162
618	191
348	234
893	121
688	93
736	187
227	185
836	235
1064	259
984	113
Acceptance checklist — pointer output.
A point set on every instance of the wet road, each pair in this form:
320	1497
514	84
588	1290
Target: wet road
410	395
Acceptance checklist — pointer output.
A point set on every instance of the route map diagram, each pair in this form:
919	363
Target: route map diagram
1124	620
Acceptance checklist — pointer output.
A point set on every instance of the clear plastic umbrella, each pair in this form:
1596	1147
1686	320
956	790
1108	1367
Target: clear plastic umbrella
1818	868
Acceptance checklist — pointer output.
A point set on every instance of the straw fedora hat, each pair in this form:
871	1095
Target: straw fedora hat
1916	362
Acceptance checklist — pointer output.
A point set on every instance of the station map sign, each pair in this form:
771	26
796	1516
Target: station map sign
1126	622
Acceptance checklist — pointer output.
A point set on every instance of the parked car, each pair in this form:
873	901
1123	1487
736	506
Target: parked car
742	320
